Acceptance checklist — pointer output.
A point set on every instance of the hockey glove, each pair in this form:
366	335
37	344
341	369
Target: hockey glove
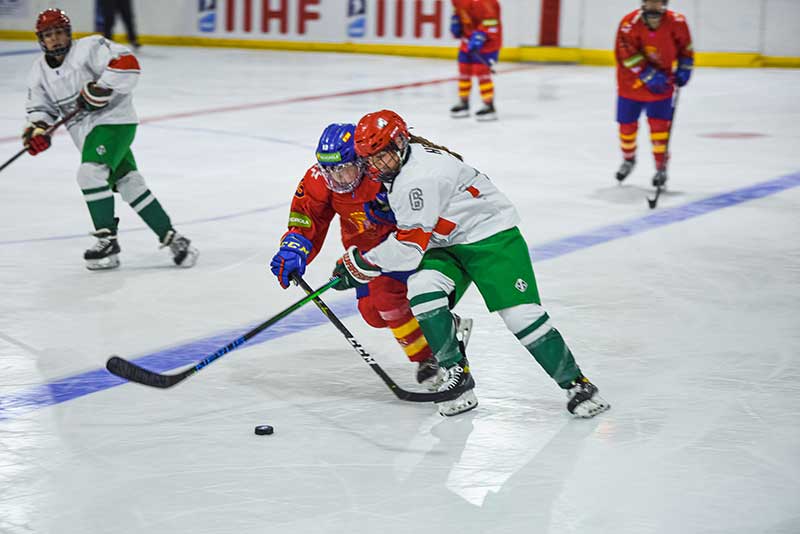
378	210
353	270
291	258
455	26
476	41
684	71
654	79
93	97
35	139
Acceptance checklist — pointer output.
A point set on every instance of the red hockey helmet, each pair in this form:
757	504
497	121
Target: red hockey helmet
49	20
382	138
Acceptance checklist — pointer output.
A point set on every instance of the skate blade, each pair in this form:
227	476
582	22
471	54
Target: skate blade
486	118
103	264
459	114
464	403
191	258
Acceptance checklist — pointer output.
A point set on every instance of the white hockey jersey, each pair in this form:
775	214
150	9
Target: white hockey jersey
53	92
439	201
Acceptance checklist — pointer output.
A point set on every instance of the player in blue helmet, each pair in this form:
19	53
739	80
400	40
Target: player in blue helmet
336	184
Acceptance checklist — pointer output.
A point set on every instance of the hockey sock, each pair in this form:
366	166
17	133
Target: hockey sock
464	81
554	356
100	201
485	83
627	139
151	212
407	332
659	135
438	326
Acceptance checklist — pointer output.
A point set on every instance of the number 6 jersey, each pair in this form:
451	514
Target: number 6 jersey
439	201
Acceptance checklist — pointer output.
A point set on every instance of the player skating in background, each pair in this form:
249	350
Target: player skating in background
98	76
649	41
477	24
456	227
336	186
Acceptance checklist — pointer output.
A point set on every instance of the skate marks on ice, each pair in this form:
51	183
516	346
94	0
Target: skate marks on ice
632	193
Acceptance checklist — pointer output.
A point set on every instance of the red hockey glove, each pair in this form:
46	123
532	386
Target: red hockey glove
34	138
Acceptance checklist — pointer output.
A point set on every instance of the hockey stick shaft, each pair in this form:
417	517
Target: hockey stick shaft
653	201
483	60
49	131
130	371
402	394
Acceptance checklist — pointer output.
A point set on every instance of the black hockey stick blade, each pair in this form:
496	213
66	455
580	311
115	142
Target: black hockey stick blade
653	201
130	371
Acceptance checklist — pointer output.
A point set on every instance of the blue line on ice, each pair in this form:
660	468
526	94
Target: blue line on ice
75	386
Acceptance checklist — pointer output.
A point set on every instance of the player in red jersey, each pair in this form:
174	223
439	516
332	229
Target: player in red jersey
477	24
336	186
654	54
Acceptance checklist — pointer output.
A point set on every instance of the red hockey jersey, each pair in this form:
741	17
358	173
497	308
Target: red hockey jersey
314	206
481	15
638	46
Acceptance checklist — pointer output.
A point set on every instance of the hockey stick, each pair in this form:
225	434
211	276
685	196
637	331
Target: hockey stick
402	394
483	60
130	371
653	201
49	131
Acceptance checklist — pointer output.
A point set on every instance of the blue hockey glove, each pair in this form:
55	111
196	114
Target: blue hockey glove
654	79
291	258
353	270
378	210
455	26
684	72
476	41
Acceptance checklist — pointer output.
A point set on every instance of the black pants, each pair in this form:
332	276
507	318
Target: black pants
109	8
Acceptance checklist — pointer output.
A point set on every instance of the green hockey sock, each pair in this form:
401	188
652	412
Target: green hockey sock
100	201
554	356
438	326
151	212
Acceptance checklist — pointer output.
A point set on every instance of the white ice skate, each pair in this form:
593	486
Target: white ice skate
104	254
583	399
458	377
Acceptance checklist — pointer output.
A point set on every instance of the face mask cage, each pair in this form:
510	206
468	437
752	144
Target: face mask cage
388	162
61	50
653	15
344	177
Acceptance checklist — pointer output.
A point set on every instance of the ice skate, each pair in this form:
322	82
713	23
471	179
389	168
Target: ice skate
458	377
625	169
460	110
430	374
660	178
104	254
583	400
183	254
486	113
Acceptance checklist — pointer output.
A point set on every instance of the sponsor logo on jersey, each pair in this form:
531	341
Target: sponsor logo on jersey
300	192
521	285
299	219
101	149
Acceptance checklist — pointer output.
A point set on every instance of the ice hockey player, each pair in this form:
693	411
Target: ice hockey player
97	76
456	227
336	185
477	24
649	41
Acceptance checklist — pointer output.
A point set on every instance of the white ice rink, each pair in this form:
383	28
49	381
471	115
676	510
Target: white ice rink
686	317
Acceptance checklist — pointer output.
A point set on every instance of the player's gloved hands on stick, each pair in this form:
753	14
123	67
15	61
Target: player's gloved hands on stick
35	139
378	210
654	79
93	97
684	72
476	41
291	258
455	26
353	270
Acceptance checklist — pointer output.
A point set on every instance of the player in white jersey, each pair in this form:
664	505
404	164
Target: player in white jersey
458	228
97	76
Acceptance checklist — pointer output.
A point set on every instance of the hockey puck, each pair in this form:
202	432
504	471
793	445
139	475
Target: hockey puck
264	430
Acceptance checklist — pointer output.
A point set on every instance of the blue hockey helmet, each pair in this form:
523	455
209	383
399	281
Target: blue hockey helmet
337	159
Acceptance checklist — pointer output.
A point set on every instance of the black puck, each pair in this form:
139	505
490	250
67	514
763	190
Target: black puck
263	430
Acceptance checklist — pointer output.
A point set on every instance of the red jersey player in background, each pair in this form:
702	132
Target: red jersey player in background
477	24
336	186
650	41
